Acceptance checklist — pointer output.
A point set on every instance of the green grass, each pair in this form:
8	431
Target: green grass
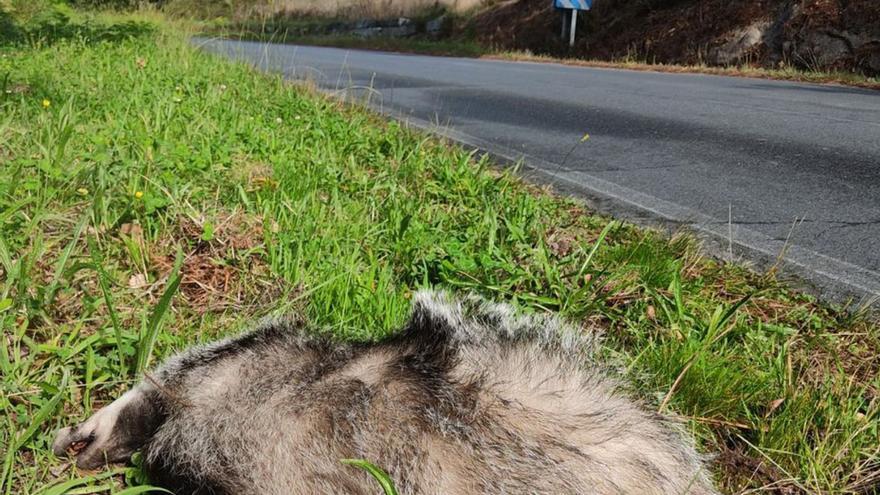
450	48
312	31
282	200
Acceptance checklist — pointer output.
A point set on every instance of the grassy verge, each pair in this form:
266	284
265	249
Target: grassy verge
313	31
128	162
461	46
447	48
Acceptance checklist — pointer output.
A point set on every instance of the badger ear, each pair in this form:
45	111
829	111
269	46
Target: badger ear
439	316
471	320
435	319
434	312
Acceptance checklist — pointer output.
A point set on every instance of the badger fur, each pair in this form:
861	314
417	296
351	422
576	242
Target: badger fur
468	398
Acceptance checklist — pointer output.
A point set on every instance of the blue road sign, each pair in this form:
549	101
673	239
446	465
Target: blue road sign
573	4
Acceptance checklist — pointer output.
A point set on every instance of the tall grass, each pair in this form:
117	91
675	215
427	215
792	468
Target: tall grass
281	200
340	9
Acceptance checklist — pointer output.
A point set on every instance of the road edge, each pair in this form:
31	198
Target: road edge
828	278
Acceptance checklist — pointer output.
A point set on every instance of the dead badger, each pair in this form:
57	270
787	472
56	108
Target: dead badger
468	398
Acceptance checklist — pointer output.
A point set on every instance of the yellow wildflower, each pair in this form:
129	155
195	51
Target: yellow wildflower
46	103
138	194
82	191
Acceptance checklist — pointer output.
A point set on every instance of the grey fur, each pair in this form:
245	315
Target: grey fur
467	398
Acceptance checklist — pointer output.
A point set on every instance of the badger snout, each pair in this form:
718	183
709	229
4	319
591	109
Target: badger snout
110	435
78	443
62	441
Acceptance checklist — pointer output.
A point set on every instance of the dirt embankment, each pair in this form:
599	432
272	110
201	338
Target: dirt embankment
812	34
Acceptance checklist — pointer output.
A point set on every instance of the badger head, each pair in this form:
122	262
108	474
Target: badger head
114	433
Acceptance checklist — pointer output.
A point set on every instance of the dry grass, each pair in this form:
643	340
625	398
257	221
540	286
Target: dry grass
792	74
225	266
377	9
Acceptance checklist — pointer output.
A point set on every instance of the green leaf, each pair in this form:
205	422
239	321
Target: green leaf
207	231
67	486
148	339
62	488
135	490
37	420
62	261
381	476
43	414
596	246
108	301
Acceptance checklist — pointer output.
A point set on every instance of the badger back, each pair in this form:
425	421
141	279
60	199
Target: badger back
467	397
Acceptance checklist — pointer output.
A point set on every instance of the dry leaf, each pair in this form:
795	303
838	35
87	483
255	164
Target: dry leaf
774	406
137	281
132	230
58	470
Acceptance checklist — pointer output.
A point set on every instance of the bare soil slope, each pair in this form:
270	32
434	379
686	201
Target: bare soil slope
814	34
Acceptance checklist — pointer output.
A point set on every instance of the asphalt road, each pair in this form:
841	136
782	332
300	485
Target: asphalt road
754	166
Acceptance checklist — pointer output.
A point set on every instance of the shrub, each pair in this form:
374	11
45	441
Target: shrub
49	23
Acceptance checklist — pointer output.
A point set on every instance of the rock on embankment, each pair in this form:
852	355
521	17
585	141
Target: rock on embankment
401	27
814	34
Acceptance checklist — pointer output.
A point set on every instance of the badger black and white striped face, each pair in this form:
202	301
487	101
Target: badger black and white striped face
114	433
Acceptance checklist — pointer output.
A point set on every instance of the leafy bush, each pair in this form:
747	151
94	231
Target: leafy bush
8	28
109	4
47	23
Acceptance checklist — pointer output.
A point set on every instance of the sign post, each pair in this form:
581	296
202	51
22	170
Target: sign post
564	23
571	7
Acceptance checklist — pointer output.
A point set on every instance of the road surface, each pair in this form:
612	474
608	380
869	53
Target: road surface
757	167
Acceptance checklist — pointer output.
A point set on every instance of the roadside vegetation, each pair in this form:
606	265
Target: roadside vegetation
788	73
467	47
528	30
153	196
445	48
